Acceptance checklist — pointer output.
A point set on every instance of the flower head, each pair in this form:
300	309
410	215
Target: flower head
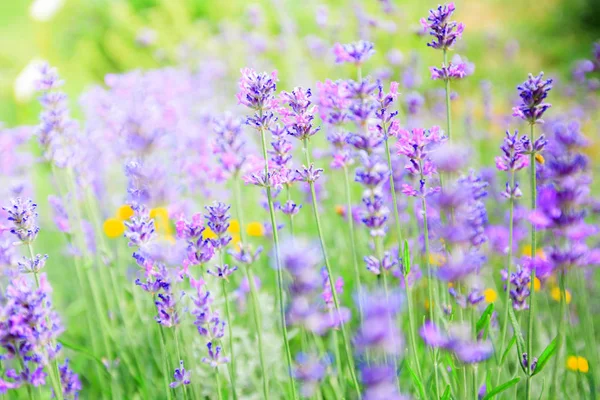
533	92
181	376
356	52
445	32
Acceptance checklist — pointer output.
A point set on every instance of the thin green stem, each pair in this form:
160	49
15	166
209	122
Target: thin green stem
253	291
218	379
587	319
178	349
230	336
330	275
507	303
165	359
448	105
53	366
350	218
429	284
411	332
530	329
278	267
561	330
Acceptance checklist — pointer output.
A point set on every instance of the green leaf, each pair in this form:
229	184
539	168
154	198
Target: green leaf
518	335
417	382
501	388
510	345
406	258
485	318
83	351
446	394
546	355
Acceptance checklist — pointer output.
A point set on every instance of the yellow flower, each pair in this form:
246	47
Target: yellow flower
537	284
583	365
235	241
255	229
539	158
234	226
159	212
572	363
340	210
539	253
209	234
125	212
490	295
436	259
113	227
556	294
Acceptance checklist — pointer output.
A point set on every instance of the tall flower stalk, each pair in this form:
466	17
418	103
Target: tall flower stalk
257	93
298	120
511	161
533	92
445	33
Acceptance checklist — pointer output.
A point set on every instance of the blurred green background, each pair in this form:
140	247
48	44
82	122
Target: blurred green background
88	38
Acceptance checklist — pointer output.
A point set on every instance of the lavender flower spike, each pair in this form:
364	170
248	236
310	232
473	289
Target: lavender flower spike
23	216
445	33
182	377
533	92
356	52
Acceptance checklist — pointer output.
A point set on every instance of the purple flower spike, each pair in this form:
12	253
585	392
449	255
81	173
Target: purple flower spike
256	91
222	272
23	216
214	358
533	92
380	382
181	376
310	370
519	287
308	174
445	32
28	265
356	52
449	72
217	220
71	384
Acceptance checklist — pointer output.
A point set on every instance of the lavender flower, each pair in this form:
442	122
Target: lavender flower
70	382
217	220
298	119
380	382
457	341
445	32
35	265
356	52
181	376
23	216
215	358
310	370
533	92
519	287
379	333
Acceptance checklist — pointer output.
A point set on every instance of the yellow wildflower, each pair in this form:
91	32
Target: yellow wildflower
583	365
572	363
537	284
236	241
159	212
340	210
255	229
113	227
436	259
125	212
209	234
490	295
539	158
234	226
556	294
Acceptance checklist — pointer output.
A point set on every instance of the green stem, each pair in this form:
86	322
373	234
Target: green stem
330	275
448	105
350	218
429	285
561	330
507	303
587	319
218	378
53	370
278	268
163	349
253	291
178	349
532	278
230	334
